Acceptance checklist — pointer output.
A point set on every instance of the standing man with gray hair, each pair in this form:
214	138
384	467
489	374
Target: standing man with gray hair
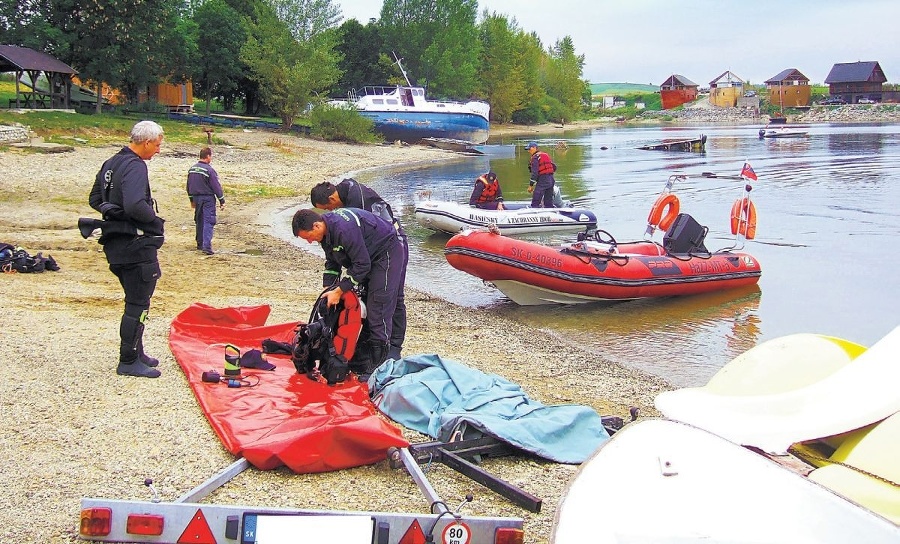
131	234
203	190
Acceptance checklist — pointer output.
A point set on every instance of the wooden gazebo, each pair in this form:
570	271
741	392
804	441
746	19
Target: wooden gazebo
23	60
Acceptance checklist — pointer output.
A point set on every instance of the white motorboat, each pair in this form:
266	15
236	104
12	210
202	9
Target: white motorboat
782	132
402	112
518	218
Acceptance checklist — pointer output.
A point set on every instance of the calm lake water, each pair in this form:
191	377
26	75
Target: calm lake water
827	221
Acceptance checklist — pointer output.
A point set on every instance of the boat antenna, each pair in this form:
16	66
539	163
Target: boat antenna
398	61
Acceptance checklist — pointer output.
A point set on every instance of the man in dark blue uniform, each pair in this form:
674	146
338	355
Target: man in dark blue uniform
131	235
204	189
350	193
370	251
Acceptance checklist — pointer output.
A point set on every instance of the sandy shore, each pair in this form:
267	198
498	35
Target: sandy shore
72	428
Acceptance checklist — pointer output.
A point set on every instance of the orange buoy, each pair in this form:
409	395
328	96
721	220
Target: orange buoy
743	218
664	211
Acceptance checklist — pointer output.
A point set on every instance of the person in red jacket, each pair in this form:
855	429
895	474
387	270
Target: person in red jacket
542	168
487	193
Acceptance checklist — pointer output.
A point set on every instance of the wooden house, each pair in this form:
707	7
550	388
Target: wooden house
176	97
854	80
789	89
677	90
726	90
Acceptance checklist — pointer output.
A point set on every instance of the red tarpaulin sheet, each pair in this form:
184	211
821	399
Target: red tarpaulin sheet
287	419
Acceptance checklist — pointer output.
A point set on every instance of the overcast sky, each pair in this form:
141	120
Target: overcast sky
646	41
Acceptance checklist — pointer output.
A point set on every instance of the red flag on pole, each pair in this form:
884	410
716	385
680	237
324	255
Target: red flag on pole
747	172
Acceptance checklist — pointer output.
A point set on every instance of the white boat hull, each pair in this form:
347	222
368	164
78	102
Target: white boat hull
452	217
664	481
854	395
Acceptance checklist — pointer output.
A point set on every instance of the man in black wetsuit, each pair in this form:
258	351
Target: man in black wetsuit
131	235
370	251
350	193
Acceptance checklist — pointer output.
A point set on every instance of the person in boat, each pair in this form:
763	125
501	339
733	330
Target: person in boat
368	248
350	193
131	234
487	193
542	183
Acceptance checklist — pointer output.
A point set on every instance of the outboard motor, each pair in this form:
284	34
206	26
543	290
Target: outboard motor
685	236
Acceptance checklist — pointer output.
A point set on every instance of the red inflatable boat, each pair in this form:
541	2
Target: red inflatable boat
596	269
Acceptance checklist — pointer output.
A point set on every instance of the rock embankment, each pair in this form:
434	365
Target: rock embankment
851	113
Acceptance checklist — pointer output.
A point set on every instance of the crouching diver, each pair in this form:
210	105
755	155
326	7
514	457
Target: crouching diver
373	255
131	234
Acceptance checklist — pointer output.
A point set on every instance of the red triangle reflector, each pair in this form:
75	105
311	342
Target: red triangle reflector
413	535
197	531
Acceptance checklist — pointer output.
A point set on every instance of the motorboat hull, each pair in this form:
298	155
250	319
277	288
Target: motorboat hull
452	217
532	274
413	126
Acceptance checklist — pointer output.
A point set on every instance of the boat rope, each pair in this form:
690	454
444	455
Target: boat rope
807	457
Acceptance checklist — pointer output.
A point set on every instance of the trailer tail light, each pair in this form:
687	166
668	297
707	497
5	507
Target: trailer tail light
144	524
509	535
96	521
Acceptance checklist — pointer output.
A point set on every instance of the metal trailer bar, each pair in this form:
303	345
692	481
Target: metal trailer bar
223	477
453	454
518	496
457	455
231	522
228	524
412	466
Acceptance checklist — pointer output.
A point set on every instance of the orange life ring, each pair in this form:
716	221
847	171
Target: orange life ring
668	203
743	218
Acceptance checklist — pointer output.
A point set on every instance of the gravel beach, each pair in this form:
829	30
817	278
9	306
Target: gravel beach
71	428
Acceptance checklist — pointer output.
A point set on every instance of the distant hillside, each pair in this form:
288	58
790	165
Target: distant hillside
604	89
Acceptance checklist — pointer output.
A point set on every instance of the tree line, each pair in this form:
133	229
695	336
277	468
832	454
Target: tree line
281	56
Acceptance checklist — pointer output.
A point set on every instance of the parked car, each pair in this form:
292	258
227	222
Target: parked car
749	94
832	101
865	100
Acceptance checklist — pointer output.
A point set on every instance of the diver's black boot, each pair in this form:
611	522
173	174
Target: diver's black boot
130	364
137	368
377	355
146	359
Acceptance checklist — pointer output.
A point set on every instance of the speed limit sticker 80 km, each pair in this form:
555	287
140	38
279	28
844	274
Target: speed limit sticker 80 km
456	533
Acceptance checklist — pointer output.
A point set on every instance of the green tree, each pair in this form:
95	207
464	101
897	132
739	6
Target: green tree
248	89
360	48
126	45
450	60
501	67
437	41
533	60
221	34
36	24
289	72
563	74
307	19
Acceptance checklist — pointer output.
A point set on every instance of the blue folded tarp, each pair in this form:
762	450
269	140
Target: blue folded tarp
443	398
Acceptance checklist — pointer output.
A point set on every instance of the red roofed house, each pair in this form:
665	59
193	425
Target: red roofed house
677	90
